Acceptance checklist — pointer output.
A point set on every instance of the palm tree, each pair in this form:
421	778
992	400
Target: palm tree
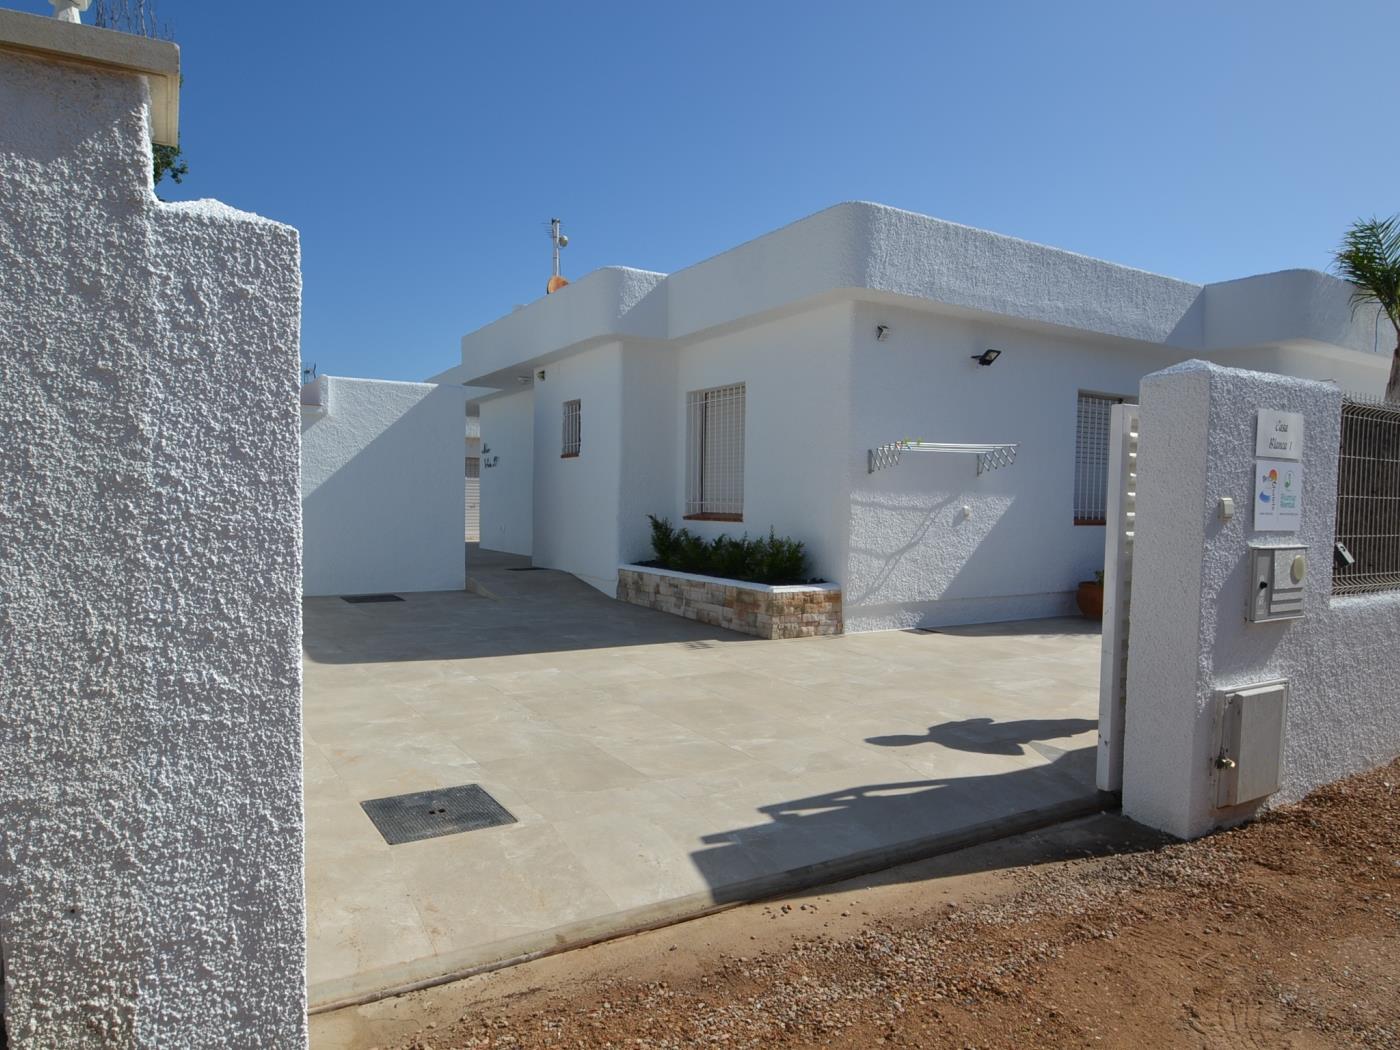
1370	259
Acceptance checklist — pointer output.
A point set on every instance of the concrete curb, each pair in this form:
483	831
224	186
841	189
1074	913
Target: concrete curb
371	986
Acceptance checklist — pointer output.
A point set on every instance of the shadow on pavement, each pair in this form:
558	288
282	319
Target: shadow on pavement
989	737
819	839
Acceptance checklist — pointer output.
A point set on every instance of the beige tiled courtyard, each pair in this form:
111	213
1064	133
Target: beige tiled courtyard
655	767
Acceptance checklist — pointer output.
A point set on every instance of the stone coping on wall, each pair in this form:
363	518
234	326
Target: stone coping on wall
759	609
743	585
157	60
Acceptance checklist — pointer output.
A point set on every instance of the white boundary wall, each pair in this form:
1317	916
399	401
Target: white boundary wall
1190	585
383	488
151	890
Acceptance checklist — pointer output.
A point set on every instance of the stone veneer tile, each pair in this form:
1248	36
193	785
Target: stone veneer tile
801	614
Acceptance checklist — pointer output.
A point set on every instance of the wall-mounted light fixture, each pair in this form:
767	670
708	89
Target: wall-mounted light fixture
523	380
986	357
882	332
540	375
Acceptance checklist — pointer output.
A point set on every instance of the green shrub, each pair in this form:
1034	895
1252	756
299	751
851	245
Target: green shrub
772	559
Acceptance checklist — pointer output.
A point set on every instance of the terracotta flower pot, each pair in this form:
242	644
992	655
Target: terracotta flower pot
1090	599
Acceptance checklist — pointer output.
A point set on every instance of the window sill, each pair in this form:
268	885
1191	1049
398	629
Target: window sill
568	455
713	517
1091	521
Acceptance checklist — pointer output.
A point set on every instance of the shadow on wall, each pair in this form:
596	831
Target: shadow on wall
821	838
940	554
889	560
911	544
362	525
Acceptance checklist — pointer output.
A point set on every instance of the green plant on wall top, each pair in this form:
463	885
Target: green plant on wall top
770	559
1370	259
139	17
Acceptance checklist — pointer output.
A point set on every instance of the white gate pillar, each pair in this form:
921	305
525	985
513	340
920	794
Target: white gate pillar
1191	584
151	872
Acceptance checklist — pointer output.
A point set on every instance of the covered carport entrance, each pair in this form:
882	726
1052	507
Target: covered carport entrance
654	768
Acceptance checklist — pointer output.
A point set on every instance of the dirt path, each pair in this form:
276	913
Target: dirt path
1285	933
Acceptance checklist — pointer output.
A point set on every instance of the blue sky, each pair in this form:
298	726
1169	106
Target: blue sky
421	147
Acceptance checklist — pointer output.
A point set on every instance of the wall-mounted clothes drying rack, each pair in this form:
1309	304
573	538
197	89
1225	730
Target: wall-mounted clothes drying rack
989	457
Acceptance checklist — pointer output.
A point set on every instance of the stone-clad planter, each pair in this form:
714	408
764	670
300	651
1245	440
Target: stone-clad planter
750	608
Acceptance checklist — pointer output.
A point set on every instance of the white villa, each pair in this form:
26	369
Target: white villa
748	392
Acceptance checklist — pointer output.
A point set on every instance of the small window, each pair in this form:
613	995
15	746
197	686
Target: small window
473	466
573	430
1091	438
715	453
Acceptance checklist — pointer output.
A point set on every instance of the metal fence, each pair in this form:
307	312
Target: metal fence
1368	499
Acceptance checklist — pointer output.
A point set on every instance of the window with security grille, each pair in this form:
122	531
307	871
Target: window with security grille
473	466
715	453
1091	437
1368	499
573	428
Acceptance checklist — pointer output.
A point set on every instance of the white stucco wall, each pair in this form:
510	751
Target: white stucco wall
1188	633
792	314
916	558
576	499
1364	374
150	729
649	447
507	472
796	372
383	488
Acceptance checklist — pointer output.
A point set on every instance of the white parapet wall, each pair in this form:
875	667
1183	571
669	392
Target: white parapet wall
1189	639
151	882
383	487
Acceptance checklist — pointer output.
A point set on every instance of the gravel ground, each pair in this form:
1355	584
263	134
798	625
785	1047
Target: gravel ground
1284	933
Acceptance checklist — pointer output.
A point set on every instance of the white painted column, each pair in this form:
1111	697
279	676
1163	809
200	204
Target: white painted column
1191	584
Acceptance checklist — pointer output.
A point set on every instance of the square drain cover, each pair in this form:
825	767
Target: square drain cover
430	814
362	599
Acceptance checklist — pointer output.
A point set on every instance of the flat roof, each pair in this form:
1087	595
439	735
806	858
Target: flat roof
871	251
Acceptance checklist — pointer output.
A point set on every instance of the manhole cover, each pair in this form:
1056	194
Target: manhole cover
430	814
363	599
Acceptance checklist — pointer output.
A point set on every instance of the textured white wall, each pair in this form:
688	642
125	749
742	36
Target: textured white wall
915	558
885	252
383	489
796	372
777	312
649	407
507	489
1356	373
150	730
1188	633
576	500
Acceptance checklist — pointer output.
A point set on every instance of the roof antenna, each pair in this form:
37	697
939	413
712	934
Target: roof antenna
558	240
